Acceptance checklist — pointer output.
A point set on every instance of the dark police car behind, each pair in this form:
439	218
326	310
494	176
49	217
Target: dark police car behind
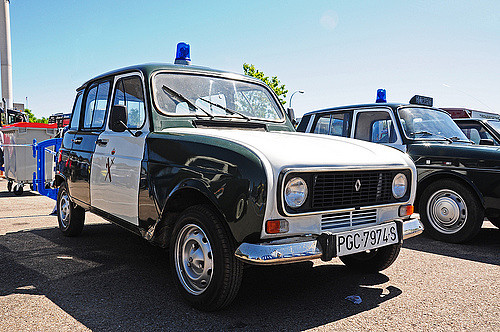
458	182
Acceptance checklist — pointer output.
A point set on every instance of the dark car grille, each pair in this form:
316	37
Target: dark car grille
335	190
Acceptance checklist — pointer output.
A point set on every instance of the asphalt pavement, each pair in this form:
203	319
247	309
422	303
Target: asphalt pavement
109	279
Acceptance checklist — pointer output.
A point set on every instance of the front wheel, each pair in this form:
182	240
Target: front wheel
450	211
70	216
372	260
204	268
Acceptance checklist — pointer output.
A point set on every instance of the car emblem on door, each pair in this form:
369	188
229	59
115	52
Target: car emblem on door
357	185
109	163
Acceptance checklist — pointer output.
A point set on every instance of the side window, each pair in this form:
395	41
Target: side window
129	92
322	125
95	106
75	115
375	126
340	124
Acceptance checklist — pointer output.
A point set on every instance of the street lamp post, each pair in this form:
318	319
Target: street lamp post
290	103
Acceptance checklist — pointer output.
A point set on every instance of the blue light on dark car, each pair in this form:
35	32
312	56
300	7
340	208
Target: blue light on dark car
182	56
381	96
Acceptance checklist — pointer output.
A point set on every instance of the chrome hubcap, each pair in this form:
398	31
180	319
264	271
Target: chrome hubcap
193	259
64	209
447	211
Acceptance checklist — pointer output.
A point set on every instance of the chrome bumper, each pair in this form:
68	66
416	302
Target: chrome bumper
299	249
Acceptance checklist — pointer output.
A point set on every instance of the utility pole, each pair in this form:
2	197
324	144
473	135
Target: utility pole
5	53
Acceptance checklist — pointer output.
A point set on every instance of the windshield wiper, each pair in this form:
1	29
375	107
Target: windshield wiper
423	132
181	98
230	111
457	139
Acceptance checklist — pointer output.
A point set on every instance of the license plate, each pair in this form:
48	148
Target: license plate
366	238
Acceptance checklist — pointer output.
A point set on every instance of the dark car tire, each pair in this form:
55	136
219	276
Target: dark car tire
450	211
70	216
18	190
203	265
495	221
373	260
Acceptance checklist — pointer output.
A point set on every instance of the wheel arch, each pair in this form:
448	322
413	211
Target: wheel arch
186	194
438	176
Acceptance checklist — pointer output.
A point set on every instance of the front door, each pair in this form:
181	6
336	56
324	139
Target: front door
116	166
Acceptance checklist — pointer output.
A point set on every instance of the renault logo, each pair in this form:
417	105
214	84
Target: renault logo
357	185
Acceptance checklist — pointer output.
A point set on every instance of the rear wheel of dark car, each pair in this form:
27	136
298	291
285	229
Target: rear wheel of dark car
450	211
204	268
70	216
372	260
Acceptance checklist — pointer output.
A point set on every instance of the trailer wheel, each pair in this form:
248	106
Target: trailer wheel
18	189
70	216
9	186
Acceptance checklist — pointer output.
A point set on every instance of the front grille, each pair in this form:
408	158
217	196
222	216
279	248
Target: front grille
348	219
336	190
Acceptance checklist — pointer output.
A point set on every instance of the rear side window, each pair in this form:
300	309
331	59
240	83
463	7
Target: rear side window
75	117
129	92
376	127
96	105
335	124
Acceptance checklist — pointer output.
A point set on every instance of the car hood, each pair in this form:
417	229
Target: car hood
478	156
291	149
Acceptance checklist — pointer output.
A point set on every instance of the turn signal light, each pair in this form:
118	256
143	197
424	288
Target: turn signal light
276	226
405	210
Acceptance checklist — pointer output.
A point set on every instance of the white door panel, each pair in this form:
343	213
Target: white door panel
115	175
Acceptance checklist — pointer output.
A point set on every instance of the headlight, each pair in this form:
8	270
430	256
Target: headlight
399	185
295	192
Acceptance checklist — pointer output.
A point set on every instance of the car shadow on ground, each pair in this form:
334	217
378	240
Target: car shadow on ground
484	248
108	279
11	194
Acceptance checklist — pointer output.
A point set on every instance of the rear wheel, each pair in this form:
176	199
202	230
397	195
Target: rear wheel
18	189
70	216
204	267
450	211
372	260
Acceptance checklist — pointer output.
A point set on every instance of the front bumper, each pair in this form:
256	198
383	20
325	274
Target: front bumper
302	248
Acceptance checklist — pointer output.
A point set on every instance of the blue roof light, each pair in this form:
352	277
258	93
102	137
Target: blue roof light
182	56
381	96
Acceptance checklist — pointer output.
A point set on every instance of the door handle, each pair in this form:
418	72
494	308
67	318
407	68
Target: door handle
101	142
77	140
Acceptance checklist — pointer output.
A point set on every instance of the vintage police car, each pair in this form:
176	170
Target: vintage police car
458	182
207	163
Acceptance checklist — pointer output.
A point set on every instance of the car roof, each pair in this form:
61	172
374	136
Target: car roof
393	106
149	68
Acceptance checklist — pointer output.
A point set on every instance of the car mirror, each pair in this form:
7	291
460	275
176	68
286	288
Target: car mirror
486	141
118	118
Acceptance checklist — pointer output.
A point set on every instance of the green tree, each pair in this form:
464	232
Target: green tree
273	82
33	118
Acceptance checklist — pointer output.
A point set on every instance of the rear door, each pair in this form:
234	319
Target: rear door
95	102
116	166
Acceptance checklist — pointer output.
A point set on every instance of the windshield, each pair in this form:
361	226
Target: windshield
428	124
495	124
197	95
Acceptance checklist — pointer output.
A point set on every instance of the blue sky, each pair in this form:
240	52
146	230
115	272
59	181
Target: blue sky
338	52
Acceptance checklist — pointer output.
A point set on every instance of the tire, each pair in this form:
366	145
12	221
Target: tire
495	221
70	216
374	260
450	211
200	236
9	186
18	189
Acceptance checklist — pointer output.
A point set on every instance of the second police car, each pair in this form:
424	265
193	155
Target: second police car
458	182
207	164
